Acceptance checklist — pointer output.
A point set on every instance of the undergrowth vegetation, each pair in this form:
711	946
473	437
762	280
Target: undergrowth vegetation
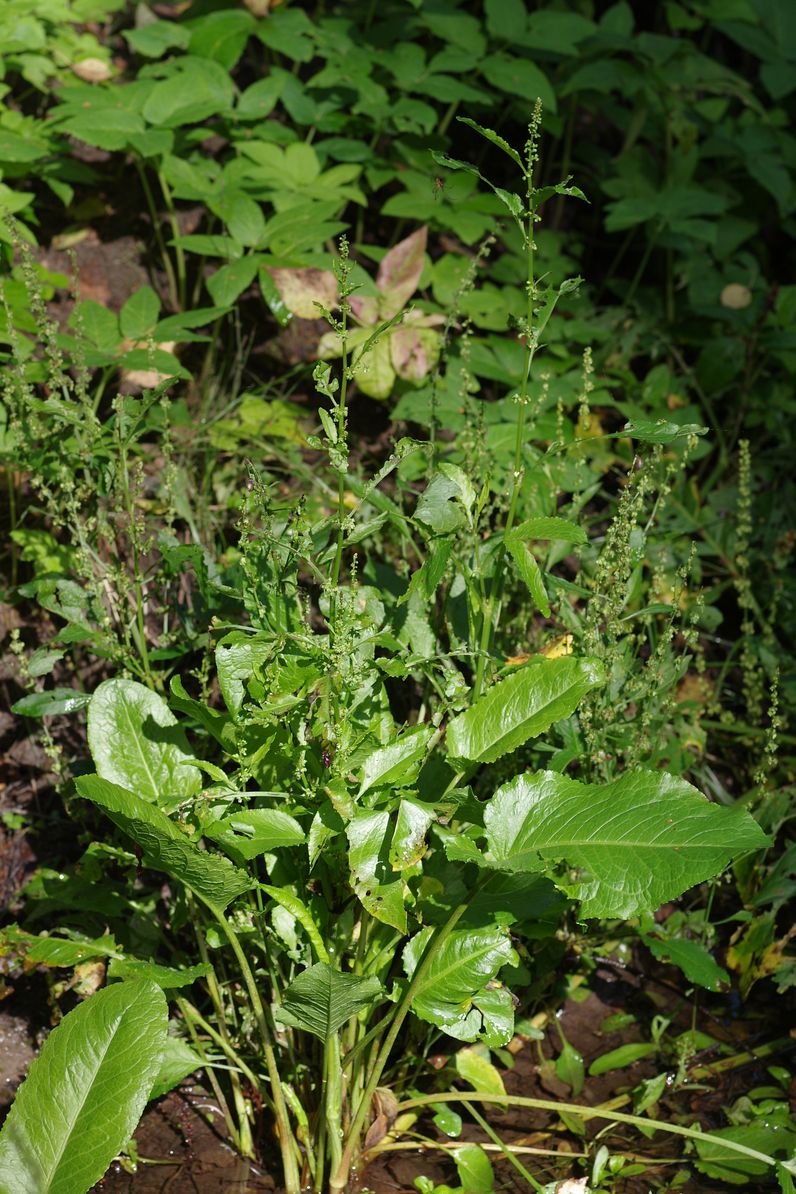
408	620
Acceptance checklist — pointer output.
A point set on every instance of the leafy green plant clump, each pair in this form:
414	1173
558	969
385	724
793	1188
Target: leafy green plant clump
347	863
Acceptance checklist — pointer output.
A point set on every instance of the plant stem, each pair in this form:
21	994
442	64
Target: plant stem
636	1121
287	1143
166	259
339	1177
491	615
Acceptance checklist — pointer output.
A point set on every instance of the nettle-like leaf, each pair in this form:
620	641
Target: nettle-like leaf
629	845
458	992
166	848
522	705
85	1092
135	742
322	999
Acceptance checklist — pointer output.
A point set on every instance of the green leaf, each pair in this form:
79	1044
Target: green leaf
230	280
372	876
519	707
619	1059
237	656
660	431
696	962
726	1166
253	832
427	577
221	36
474	1067
54	702
459	972
139	315
409	838
398	764
321	1000
550	529
520	77
474	1169
194	89
167	977
135	742
633	843
530	572
488	133
156	37
84	1094
447	1120
166	848
177	1062
570	1068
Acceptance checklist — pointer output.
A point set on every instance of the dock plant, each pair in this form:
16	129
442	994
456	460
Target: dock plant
352	849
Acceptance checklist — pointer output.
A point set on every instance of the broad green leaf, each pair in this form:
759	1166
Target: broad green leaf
167	977
177	1062
620	1058
427	577
660	431
409	838
237	656
135	742
765	1136
520	77
633	843
696	962
252	832
166	848
139	315
474	1067
230	280
63	951
193	90
447	1120
85	1092
530	572
459	972
474	1169
372	876
570	1069
398	764
550	529
520	706
221	36
440	506
54	702
321	1000
156	37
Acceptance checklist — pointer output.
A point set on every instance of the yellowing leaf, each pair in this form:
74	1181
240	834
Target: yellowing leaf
302	290
559	646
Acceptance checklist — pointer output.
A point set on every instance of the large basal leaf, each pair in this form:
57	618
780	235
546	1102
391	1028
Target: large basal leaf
519	707
166	848
85	1092
322	999
135	742
634	843
454	988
